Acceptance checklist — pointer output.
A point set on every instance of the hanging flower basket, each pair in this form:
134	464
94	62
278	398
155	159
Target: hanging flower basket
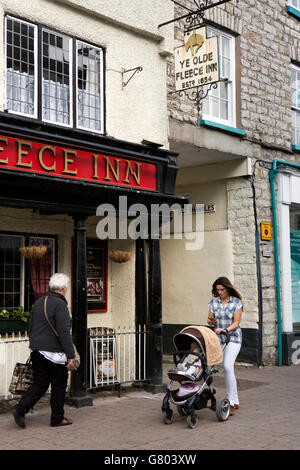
33	252
120	256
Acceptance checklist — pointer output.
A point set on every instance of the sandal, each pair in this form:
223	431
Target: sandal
64	422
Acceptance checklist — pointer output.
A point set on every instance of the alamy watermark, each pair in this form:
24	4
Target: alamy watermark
161	221
295	358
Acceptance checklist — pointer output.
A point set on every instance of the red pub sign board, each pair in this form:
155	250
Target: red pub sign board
50	160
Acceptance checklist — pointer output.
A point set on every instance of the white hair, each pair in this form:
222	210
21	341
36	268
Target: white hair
58	281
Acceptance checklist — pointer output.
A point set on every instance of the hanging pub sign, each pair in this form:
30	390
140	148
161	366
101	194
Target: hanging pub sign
51	160
197	62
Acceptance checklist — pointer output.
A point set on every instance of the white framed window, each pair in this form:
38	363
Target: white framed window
295	93
43	83
219	105
21	67
89	89
56	78
294	3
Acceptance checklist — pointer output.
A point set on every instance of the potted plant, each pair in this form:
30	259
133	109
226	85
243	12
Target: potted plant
13	320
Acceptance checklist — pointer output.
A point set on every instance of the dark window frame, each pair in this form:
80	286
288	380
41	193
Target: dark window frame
25	280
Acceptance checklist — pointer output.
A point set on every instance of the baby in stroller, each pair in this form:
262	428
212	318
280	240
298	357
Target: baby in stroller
192	363
190	368
198	350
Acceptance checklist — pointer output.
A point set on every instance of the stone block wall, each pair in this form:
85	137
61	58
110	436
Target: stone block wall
268	39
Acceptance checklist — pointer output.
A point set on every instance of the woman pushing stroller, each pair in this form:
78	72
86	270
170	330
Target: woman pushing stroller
225	312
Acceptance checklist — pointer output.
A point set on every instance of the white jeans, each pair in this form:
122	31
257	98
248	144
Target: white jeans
229	356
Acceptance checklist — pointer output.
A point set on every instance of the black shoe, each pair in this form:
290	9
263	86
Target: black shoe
63	422
19	419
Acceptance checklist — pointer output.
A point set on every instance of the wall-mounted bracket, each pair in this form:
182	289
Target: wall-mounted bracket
194	17
134	71
199	93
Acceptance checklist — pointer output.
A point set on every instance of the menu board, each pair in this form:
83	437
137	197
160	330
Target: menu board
96	275
104	360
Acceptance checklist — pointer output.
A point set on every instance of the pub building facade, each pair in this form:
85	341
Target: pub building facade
78	130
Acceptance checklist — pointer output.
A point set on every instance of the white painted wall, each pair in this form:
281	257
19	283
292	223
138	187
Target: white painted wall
129	32
187	276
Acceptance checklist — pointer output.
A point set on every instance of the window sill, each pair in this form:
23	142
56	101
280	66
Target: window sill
293	11
222	127
296	148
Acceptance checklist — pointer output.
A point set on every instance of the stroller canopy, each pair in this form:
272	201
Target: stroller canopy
206	339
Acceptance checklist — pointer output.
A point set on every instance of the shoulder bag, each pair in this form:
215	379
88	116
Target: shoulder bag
76	363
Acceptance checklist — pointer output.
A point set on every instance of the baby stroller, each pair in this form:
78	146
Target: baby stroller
191	367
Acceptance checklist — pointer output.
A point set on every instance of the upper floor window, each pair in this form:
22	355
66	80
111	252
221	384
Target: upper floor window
53	77
294	3
295	75
219	105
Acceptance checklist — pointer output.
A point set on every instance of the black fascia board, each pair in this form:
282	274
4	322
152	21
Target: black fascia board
44	132
70	196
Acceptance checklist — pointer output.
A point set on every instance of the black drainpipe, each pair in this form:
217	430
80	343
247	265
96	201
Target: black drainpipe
259	283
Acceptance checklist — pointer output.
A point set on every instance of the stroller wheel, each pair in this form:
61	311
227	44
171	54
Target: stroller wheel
167	417
223	409
192	421
181	411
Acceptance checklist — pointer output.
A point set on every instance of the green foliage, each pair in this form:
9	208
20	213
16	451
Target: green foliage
15	314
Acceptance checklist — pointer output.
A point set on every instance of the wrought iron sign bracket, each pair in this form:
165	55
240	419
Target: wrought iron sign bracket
195	17
197	94
134	71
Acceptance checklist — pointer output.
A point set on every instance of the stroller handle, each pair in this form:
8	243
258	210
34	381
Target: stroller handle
225	333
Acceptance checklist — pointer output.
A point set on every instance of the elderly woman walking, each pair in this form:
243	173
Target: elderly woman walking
51	355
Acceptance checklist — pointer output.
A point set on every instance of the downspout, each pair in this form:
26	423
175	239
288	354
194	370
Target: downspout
259	282
272	177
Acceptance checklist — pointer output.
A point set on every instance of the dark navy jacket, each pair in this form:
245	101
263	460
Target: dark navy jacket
41	336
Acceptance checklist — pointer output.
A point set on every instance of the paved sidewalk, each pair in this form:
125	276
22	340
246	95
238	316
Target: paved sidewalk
269	418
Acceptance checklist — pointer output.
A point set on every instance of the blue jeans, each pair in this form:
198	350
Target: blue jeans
45	373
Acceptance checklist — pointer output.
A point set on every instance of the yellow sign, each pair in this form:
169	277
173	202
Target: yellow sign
197	62
265	231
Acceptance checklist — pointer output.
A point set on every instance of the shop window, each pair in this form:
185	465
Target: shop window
295	75
41	81
24	280
219	105
295	264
